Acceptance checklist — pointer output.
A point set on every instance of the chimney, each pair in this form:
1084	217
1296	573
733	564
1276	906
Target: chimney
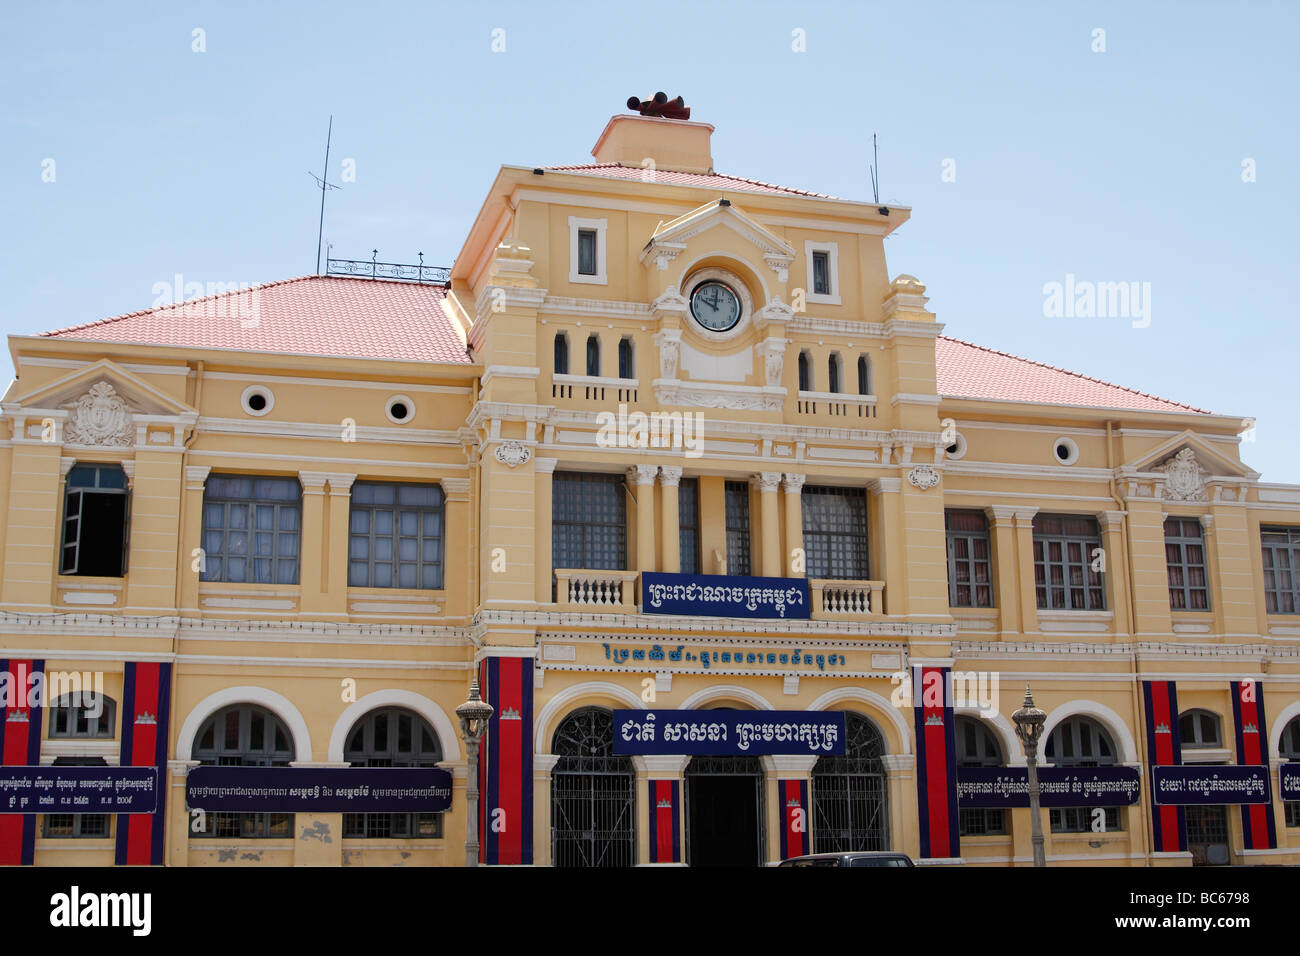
655	137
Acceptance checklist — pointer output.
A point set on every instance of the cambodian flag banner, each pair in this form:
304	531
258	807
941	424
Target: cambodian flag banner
1179	786
78	789
319	789
1289	781
720	595
997	787
728	732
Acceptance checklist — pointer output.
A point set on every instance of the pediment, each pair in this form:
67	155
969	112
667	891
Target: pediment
1188	464
671	238
101	382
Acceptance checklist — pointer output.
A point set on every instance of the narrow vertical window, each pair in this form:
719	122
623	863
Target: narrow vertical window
833	372
805	373
822	273
1281	549
688	515
587	252
561	353
625	364
1185	559
737	514
969	580
864	375
593	355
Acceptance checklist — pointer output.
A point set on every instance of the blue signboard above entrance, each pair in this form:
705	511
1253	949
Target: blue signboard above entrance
728	732
720	595
1210	785
319	789
78	789
994	787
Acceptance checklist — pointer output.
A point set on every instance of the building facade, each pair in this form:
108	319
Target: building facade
285	526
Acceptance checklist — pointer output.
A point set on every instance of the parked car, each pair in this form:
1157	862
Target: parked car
875	858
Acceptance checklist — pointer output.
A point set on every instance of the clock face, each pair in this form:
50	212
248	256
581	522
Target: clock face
715	306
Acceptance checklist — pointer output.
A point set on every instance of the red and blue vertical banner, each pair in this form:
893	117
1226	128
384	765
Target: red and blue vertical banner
506	762
665	821
20	746
1257	826
793	797
936	763
1168	823
146	709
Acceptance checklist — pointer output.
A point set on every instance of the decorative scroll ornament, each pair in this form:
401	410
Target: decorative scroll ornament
923	477
1184	477
100	418
513	453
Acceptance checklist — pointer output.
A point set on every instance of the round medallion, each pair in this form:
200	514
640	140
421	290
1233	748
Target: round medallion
715	306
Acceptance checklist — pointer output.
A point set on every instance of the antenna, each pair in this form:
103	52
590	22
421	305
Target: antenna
321	181
875	171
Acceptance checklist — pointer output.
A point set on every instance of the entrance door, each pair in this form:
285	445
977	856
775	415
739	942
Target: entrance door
724	803
1207	835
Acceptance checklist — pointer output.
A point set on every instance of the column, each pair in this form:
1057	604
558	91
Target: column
335	545
178	819
318	837
793	485
192	536
642	479
311	559
1210	552
670	538
456	542
1006	570
1115	569
543	512
543	764
888	559
1025	563
661	825
1144	561
788	781
767	483
900	785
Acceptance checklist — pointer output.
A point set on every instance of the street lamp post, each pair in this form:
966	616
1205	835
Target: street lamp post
474	715
1029	727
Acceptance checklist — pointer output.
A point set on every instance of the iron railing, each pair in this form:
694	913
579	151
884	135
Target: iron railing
388	270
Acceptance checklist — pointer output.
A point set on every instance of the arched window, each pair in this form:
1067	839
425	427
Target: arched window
561	353
1080	742
593	807
83	714
805	373
244	735
1200	729
834	372
392	737
1289	749
593	354
626	365
864	375
849	811
977	746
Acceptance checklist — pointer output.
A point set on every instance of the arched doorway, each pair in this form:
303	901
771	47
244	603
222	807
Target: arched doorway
724	807
848	793
593	805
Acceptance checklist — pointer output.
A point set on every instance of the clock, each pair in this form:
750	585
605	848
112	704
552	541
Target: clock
715	306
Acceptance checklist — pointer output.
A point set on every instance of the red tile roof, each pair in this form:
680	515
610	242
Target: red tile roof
972	371
701	180
310	315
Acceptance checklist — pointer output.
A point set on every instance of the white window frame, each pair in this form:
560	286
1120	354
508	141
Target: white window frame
832	251
601	226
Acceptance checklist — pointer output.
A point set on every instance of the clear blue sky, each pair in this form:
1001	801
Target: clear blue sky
1123	165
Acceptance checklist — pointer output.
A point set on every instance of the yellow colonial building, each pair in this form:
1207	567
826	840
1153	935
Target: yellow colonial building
748	558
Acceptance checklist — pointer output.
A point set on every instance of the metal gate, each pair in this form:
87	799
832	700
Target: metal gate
848	793
727	766
593	803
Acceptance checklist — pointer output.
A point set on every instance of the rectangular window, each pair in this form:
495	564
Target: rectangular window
835	532
822	273
251	529
688	514
1185	558
95	509
970	583
737	509
1281	548
587	252
1066	549
588	522
395	536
